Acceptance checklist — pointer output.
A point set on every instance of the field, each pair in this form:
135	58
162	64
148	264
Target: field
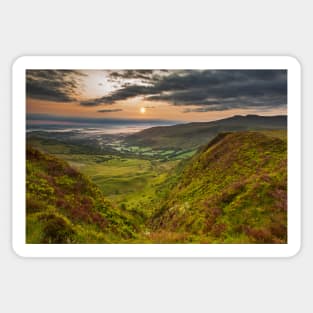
131	182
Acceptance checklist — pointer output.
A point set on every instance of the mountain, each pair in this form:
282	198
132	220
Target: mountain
193	135
64	206
232	191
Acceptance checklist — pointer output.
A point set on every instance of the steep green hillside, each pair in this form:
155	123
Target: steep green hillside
233	191
192	135
64	206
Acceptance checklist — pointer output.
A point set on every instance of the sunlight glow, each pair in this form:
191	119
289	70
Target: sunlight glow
142	110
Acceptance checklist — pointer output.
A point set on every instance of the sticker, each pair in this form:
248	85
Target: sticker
148	156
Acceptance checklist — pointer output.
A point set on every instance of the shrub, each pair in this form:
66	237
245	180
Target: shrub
34	205
260	235
56	230
218	229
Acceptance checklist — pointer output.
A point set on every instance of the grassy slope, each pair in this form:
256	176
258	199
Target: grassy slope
64	206
233	191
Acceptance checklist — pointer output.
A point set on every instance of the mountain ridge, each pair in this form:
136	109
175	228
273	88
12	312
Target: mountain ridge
194	134
232	191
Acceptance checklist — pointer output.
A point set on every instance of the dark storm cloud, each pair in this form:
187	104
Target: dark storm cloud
109	110
121	94
144	75
208	89
225	88
52	85
265	102
131	74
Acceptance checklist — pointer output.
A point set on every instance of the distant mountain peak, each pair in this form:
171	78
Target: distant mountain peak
193	135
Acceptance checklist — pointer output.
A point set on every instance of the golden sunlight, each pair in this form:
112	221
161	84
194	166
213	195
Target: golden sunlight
142	110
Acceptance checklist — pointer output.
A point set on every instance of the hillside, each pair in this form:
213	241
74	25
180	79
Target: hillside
64	206
192	135
232	191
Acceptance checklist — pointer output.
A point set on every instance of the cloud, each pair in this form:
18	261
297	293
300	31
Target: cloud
109	110
131	74
146	76
257	103
237	88
131	83
121	94
209	89
53	85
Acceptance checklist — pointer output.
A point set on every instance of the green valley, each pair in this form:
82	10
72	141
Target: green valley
215	182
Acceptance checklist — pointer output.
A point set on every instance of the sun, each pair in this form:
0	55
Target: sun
142	110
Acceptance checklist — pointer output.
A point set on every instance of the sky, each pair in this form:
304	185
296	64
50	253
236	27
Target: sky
161	95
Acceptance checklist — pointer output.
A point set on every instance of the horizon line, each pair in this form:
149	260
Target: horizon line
96	120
